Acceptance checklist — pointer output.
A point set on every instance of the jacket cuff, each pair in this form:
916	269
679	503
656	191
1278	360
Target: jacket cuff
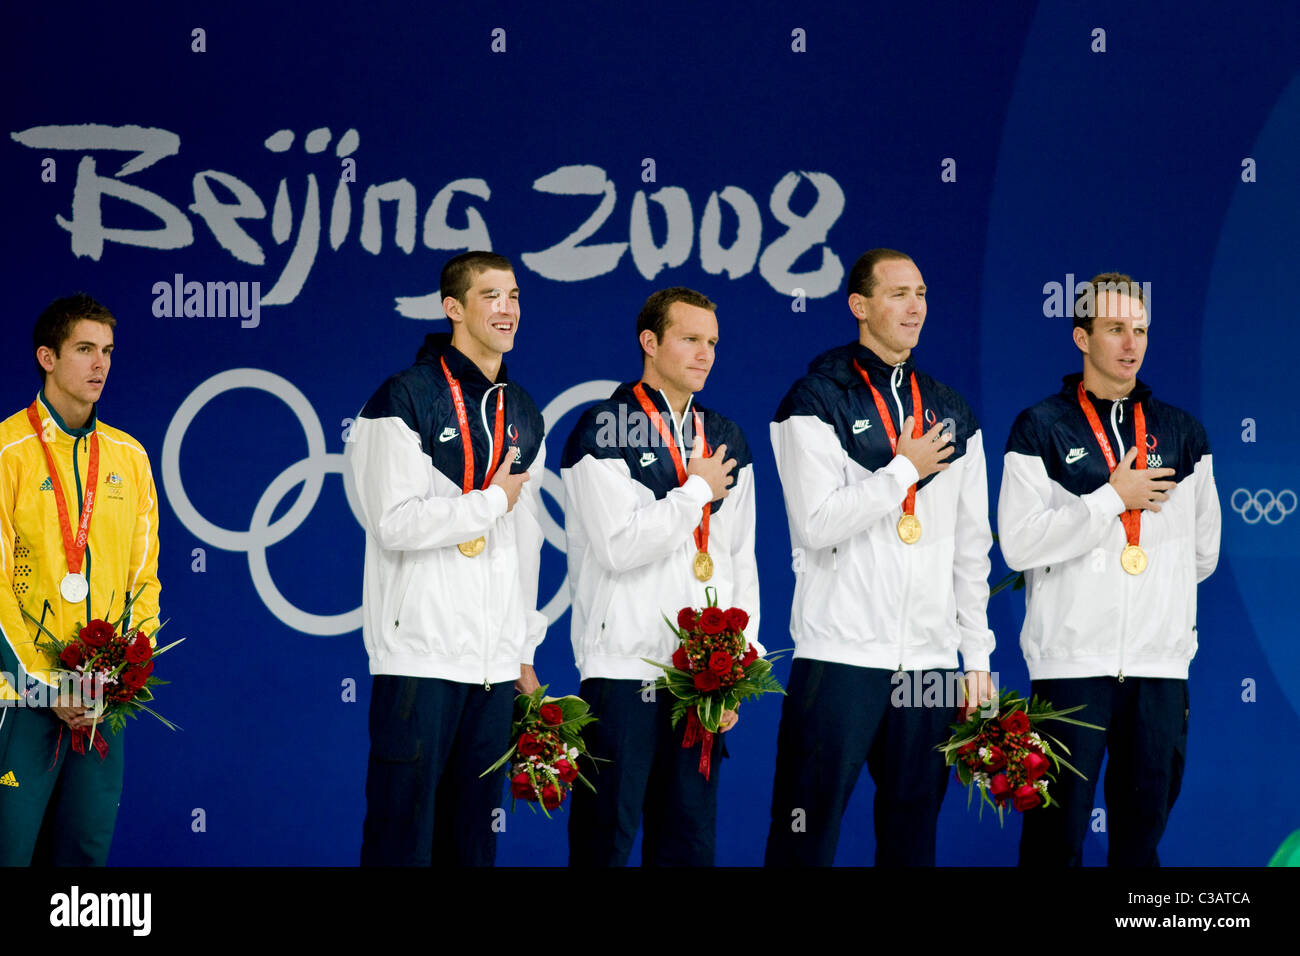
1105	501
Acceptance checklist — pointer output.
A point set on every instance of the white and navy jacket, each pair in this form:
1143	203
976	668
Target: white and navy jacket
1059	521
429	611
629	527
862	596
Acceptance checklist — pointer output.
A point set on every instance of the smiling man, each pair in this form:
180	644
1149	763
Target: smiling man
652	518
442	456
885	490
61	467
1108	504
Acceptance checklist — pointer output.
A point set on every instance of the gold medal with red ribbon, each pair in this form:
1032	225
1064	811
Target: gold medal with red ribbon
1132	559
702	565
74	587
909	525
472	549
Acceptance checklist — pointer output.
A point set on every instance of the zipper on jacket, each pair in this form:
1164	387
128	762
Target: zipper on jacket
1114	426
907	587
835	558
895	377
482	408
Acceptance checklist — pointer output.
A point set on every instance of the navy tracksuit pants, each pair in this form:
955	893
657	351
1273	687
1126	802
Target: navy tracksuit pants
430	739
837	717
650	776
1146	733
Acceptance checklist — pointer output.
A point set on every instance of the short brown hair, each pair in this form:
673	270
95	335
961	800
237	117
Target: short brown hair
54	325
460	272
1085	301
862	277
654	314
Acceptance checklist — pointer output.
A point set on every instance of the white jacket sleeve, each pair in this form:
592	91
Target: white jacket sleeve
1031	533
399	505
743	560
1208	518
529	539
823	506
970	566
623	535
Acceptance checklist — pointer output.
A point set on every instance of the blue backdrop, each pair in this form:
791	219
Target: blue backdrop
336	155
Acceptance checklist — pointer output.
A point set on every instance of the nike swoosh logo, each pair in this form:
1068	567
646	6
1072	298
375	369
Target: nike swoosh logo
447	434
1074	455
648	459
860	426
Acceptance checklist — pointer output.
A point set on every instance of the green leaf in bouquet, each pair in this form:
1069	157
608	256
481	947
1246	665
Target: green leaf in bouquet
710	711
680	707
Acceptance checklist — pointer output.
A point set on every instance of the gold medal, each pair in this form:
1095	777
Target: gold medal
472	549
1133	559
703	566
909	529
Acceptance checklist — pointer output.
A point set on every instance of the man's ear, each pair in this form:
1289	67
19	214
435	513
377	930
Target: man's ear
858	306
455	311
45	356
1081	339
649	344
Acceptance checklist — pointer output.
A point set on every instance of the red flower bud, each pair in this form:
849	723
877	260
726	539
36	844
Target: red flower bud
1035	765
1015	722
1000	787
1027	797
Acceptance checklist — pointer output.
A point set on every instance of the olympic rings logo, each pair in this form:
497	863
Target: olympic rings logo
1263	504
310	472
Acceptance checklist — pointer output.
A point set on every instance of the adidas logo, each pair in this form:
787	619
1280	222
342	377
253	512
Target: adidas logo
1074	455
861	425
9	780
47	485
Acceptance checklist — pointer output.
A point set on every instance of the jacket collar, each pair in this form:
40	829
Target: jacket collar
437	345
1070	389
877	367
82	432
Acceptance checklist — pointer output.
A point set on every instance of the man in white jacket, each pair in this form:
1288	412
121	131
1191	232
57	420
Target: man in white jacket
1108	504
883	473
440	456
644	500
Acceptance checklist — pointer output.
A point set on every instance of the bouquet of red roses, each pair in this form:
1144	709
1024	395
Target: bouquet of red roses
548	741
110	667
1009	757
713	670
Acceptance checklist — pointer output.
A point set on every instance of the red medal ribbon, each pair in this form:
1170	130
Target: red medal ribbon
467	445
79	738
1132	518
695	733
702	530
73	548
918	413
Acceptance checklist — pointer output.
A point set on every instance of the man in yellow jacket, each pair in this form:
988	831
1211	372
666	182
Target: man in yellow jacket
78	532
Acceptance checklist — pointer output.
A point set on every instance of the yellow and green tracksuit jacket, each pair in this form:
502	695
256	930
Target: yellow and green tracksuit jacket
122	541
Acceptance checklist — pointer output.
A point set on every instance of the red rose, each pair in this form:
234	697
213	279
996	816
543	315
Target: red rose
994	760
1000	787
71	656
139	650
1035	765
720	662
96	634
1027	797
565	770
737	620
680	660
522	788
551	714
552	796
147	668
707	681
713	621
1015	722
133	678
967	749
687	618
529	745
751	655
